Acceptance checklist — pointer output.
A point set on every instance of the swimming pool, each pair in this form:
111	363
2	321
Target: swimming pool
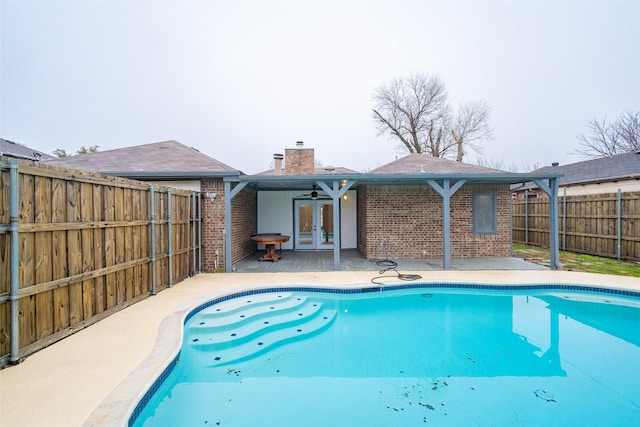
450	355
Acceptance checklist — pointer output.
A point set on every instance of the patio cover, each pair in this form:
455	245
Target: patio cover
445	184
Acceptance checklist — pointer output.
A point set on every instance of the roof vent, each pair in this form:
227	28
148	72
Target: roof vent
555	164
329	168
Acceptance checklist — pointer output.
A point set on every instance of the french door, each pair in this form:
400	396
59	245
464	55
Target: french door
313	224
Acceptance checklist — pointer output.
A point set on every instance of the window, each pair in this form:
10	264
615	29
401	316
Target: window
485	212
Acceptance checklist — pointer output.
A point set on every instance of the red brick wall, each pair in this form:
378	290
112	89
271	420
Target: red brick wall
409	219
299	161
243	225
212	225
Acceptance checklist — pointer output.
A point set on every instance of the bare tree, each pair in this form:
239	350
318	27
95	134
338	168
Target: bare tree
416	111
413	110
608	138
471	126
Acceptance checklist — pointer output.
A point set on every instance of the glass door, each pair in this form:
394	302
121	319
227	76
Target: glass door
324	210
313	224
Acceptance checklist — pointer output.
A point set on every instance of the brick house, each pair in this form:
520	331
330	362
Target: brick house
414	207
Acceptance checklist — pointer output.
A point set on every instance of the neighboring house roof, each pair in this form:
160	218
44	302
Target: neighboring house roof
160	160
13	149
604	169
420	163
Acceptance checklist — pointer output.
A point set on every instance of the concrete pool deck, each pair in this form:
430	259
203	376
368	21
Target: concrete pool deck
94	376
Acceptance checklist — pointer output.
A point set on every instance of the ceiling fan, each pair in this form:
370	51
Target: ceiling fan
313	194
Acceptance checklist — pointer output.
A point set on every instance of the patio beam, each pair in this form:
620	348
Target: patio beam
446	191
229	194
551	189
336	193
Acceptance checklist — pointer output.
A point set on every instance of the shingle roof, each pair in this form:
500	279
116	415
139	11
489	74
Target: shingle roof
611	168
420	163
14	149
161	159
326	170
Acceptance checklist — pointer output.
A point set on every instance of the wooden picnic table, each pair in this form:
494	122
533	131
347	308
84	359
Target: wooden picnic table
270	241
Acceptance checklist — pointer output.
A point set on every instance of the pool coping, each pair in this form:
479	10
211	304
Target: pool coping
118	407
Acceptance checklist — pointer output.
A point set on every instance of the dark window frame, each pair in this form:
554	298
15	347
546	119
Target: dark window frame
481	219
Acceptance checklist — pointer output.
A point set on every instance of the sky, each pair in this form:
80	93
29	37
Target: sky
242	80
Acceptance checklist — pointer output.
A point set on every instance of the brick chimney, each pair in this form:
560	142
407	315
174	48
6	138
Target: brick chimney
299	160
277	170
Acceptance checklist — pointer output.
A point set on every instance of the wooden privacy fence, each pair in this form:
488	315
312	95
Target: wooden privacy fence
76	247
601	224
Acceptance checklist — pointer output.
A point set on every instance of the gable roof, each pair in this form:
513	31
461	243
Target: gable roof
160	160
421	163
13	149
603	169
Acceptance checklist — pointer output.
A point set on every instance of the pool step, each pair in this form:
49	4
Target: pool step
238	331
273	339
248	311
252	302
259	330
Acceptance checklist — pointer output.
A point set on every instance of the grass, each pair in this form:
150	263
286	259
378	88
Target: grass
578	262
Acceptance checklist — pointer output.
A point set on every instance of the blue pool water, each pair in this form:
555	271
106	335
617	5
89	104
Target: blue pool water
414	357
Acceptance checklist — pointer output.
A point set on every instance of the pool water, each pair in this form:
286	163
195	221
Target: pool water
406	358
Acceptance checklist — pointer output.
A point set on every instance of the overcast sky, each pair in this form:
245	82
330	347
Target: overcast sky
242	80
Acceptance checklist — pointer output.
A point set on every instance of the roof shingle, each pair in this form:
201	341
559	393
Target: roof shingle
162	158
421	163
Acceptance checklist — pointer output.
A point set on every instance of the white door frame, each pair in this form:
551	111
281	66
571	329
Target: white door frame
314	227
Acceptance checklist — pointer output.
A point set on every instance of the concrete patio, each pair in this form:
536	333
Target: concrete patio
352	260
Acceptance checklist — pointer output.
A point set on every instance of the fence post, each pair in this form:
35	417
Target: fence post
14	355
152	206
192	196
564	219
619	209
199	232
170	235
526	217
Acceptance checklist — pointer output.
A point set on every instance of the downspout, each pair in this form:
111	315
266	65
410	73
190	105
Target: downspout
170	236
153	239
14	357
